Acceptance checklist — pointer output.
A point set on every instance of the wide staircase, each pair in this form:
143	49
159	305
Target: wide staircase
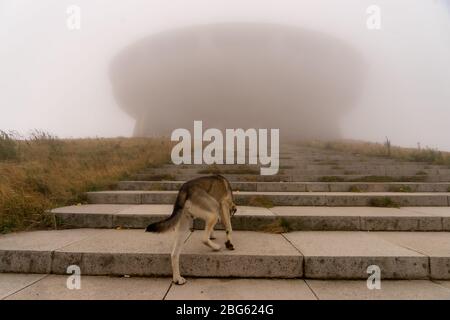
326	215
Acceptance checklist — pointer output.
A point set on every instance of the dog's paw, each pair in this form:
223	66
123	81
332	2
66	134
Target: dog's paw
215	246
179	281
229	245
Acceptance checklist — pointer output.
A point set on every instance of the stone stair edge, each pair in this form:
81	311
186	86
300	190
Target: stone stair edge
398	262
260	218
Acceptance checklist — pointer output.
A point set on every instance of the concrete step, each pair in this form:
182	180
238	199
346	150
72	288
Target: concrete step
286	177
302	254
299	186
309	166
267	199
356	161
264	219
336	170
15	286
230	177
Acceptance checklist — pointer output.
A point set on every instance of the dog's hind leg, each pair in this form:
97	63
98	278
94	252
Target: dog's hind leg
204	206
180	236
226	220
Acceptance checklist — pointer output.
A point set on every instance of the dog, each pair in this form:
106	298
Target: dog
209	198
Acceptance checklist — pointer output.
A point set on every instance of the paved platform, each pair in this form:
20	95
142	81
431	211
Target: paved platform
301	254
54	287
259	218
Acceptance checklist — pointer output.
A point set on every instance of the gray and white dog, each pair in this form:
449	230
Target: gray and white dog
208	198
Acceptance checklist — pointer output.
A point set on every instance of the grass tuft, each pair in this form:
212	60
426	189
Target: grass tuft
280	225
400	189
331	179
354	189
258	201
161	177
384	202
214	169
8	147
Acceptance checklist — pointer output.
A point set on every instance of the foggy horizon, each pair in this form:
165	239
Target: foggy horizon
57	80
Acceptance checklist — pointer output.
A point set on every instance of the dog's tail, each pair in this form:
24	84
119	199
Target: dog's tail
171	221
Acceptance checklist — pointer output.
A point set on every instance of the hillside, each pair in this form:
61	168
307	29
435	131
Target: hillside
44	172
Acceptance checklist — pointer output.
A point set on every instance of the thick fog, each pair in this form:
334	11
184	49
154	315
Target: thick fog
62	80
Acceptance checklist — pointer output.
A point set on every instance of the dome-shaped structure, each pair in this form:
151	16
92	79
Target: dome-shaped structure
238	76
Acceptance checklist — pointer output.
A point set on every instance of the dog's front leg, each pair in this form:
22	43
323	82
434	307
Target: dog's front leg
211	221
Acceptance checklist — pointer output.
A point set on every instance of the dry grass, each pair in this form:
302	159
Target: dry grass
44	172
426	155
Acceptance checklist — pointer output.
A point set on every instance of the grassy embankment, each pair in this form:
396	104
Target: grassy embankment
44	172
386	150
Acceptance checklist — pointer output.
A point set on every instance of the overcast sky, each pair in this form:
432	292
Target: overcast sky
55	79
